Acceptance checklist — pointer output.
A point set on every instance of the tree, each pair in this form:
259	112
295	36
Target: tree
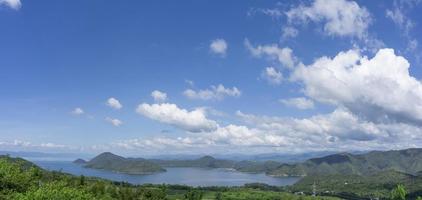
398	193
218	196
82	180
194	195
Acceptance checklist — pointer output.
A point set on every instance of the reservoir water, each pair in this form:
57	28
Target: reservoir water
183	175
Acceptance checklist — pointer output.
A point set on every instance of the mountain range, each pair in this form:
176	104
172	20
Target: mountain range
406	161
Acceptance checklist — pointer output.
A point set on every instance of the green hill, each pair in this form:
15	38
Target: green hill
109	161
80	161
203	162
406	161
350	186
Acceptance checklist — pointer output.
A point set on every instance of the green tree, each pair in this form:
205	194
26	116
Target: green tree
398	193
53	191
219	196
82	180
194	195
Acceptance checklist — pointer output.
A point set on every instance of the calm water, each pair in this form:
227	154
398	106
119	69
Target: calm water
185	176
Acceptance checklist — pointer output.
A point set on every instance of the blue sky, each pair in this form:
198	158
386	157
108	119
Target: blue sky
229	77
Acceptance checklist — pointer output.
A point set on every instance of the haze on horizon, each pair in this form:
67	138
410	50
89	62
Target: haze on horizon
202	77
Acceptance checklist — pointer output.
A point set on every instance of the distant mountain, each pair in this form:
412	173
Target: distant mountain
109	161
80	161
406	161
279	157
203	162
29	155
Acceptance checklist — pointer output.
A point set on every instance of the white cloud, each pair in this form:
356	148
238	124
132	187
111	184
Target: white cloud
283	55
114	122
214	93
159	96
77	111
20	144
289	32
340	130
299	102
272	75
190	82
14	4
193	121
219	46
340	17
52	145
114	103
398	15
378	89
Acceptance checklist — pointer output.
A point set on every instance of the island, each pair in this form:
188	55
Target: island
112	162
80	161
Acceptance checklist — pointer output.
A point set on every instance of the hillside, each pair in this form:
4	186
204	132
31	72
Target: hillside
406	161
109	161
355	186
203	162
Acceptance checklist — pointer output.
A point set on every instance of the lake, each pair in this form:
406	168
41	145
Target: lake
182	175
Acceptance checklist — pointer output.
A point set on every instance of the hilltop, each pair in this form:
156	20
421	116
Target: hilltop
110	161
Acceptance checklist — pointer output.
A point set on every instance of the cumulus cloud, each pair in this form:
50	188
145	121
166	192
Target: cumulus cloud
283	55
14	4
114	122
218	92
77	111
219	46
192	121
340	130
299	102
272	75
340	17
378	89
159	96
114	103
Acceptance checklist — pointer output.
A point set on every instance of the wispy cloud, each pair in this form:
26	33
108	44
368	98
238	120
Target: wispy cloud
218	92
14	4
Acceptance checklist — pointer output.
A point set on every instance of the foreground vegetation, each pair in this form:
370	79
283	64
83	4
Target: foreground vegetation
22	180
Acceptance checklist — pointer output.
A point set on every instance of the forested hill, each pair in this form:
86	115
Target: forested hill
112	162
205	162
406	161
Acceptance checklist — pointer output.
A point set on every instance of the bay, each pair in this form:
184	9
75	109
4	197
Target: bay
183	175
